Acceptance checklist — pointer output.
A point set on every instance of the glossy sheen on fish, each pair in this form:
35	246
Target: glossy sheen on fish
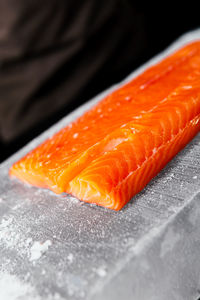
112	151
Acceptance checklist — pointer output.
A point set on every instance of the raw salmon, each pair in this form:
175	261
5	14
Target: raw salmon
113	150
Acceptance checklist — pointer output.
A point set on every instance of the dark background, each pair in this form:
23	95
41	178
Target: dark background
122	36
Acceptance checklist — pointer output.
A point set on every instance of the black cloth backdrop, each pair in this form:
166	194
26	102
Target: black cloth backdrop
51	50
54	55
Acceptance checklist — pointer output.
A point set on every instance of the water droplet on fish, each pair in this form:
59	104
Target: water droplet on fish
187	87
75	135
127	98
154	150
137	117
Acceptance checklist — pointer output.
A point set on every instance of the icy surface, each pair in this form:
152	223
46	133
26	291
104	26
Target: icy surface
56	247
38	249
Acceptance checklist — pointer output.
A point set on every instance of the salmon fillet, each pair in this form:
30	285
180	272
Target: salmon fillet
113	150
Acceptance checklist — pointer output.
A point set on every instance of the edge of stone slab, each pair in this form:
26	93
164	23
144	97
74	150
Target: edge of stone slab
111	286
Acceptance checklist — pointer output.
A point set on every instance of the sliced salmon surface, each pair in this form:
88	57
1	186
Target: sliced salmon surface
113	150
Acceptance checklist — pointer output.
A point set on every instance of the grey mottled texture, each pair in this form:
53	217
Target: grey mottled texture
148	250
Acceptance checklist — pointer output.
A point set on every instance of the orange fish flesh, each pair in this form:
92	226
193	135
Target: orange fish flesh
113	150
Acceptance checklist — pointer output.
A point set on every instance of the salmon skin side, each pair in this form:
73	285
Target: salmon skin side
113	150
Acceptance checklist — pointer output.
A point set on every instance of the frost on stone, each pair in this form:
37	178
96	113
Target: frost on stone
12	288
101	271
70	257
38	249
